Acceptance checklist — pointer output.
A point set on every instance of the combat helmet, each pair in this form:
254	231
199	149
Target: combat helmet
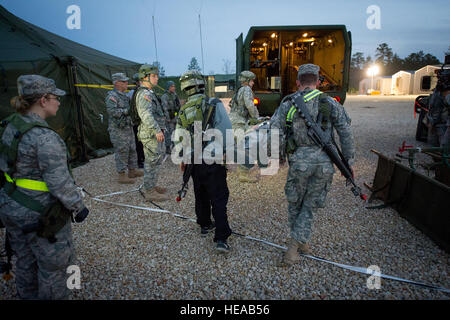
246	76
147	69
192	82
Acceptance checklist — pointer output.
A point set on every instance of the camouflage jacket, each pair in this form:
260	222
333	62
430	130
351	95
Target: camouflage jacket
243	108
118	107
151	113
170	103
306	150
439	109
42	156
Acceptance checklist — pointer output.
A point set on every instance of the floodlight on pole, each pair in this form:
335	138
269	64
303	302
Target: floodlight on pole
372	71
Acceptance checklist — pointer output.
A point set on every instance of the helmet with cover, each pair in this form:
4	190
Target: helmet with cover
192	82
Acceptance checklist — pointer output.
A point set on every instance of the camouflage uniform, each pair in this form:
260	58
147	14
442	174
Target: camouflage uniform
310	170
437	117
153	121
171	105
41	265
120	130
244	109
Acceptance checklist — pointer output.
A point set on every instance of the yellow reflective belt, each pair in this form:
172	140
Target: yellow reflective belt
28	184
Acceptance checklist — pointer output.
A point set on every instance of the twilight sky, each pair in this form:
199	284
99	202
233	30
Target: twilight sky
125	28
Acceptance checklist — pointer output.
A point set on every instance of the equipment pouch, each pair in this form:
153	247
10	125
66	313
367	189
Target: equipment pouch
52	220
290	145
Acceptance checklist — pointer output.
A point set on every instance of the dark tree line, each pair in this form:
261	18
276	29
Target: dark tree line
389	63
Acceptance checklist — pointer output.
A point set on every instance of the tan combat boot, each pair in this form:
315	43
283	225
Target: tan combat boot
123	179
244	176
304	248
161	190
153	195
133	173
292	255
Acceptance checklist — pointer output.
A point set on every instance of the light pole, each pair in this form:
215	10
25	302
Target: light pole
372	71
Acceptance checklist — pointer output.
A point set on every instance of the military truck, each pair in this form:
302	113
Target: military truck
275	53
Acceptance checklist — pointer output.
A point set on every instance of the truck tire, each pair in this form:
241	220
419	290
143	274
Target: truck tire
422	130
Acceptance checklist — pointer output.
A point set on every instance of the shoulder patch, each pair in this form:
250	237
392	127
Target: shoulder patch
113	99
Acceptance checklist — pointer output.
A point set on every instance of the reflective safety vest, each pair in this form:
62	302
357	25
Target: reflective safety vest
322	118
10	151
306	98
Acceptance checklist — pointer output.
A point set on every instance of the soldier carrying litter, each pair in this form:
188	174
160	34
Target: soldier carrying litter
243	113
120	130
310	167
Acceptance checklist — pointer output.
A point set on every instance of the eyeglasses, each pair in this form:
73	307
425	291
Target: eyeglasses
56	98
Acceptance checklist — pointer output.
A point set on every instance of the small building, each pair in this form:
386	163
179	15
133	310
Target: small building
224	84
380	84
402	82
425	79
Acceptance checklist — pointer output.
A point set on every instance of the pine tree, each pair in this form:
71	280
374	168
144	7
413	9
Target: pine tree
193	65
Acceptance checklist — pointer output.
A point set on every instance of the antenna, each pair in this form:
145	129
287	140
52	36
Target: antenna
154	35
201	42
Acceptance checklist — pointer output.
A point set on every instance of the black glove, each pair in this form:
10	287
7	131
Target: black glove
81	215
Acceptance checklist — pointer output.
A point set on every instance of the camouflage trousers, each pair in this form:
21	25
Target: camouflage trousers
239	130
124	148
40	268
306	189
154	152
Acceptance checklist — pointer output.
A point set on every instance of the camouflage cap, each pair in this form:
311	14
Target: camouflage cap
119	77
308	68
34	84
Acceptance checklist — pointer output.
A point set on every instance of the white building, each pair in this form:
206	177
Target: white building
381	84
425	79
402	82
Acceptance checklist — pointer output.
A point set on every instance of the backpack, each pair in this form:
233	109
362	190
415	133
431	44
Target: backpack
193	111
133	111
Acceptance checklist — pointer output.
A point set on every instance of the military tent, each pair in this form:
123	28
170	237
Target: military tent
82	119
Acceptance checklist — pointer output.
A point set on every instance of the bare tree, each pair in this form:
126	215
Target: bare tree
226	66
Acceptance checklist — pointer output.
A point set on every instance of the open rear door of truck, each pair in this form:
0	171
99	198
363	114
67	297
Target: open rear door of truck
239	58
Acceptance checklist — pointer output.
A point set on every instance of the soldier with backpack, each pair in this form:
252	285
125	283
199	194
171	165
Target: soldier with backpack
207	168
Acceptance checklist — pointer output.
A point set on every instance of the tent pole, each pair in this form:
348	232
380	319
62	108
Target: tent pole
73	69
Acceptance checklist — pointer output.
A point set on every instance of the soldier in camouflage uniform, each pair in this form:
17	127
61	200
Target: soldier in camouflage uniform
139	146
171	105
41	164
310	169
242	112
151	132
120	130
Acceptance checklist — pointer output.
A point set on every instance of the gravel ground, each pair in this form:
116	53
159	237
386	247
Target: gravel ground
133	254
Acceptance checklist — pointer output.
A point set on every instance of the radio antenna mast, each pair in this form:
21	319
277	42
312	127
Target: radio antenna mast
154	35
201	42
